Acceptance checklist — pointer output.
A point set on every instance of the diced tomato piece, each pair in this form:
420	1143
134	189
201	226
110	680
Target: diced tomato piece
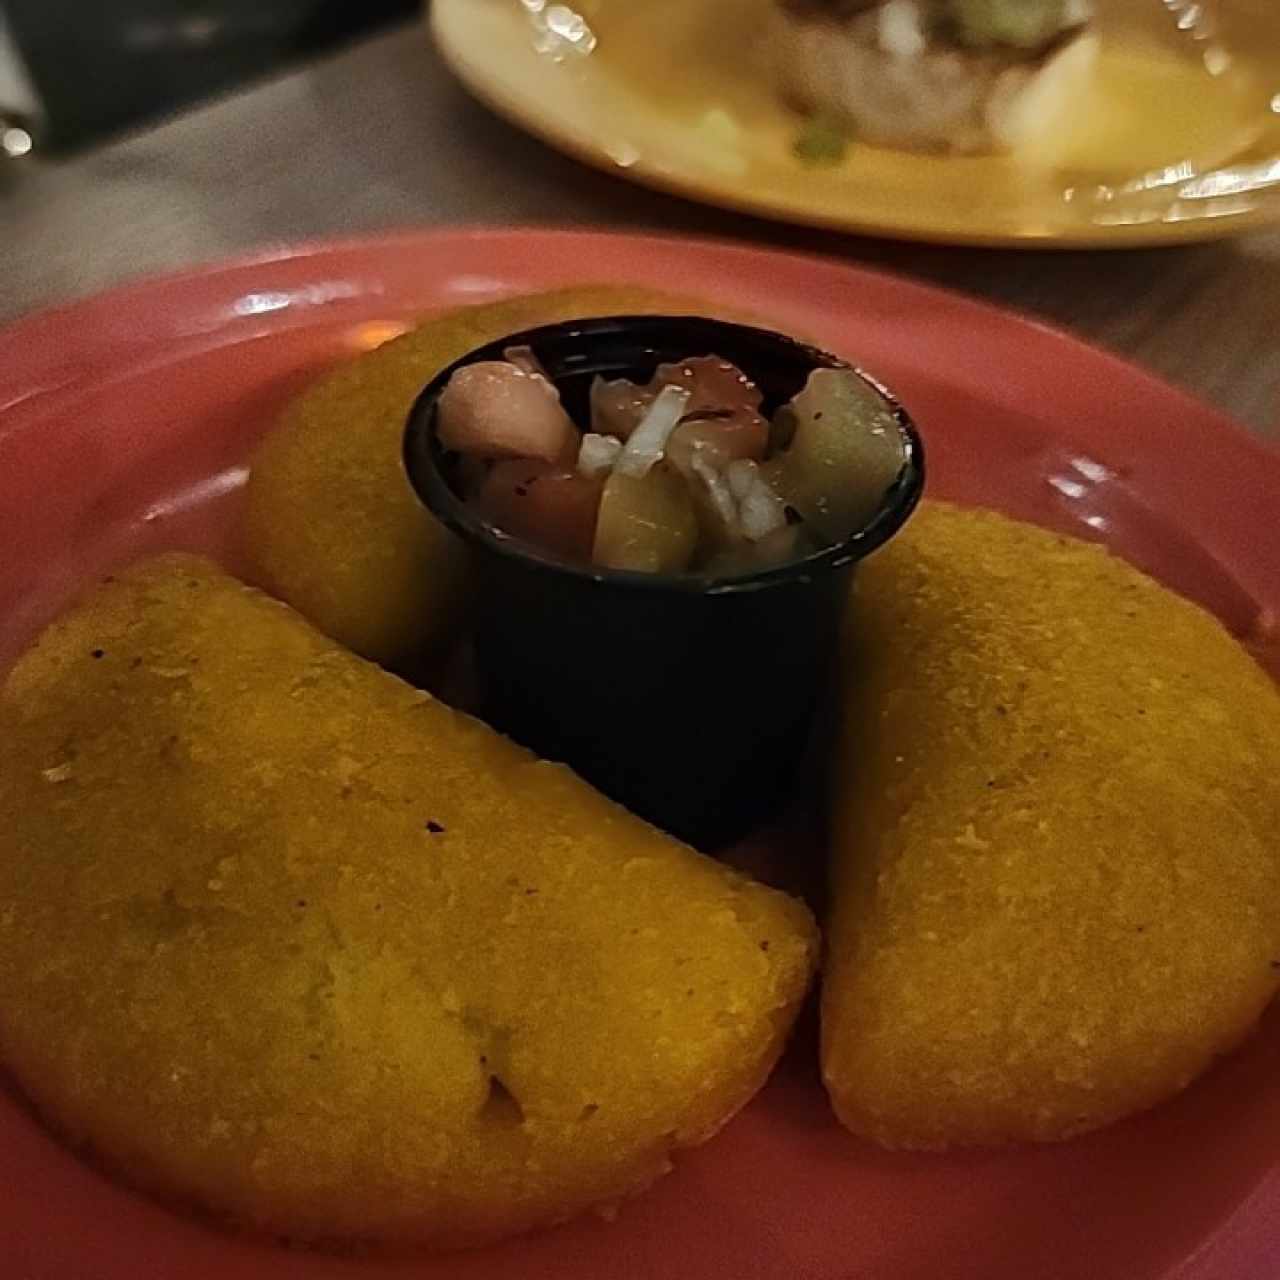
744	435
545	503
715	383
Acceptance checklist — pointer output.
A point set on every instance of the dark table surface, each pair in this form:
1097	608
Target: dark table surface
380	136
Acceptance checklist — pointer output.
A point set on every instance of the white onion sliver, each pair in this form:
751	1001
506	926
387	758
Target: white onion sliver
741	474
762	512
648	441
597	454
718	489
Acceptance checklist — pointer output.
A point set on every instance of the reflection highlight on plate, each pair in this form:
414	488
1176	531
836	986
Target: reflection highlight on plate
559	30
1107	508
267	301
374	333
199	494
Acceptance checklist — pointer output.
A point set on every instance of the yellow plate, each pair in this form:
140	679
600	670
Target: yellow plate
1179	139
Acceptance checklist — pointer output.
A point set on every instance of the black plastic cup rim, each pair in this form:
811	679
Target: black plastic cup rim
424	454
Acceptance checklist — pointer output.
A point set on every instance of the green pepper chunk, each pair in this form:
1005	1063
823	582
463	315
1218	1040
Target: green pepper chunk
1020	24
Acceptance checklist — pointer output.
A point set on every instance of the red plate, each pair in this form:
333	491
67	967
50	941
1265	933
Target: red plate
124	425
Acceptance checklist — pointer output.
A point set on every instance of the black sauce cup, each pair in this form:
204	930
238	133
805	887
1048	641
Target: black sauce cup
687	698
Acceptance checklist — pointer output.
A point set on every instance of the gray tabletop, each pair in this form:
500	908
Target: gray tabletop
380	136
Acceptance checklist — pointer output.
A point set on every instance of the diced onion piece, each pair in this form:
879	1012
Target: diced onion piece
760	511
698	438
743	505
598	453
649	440
713	503
718	492
741	476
